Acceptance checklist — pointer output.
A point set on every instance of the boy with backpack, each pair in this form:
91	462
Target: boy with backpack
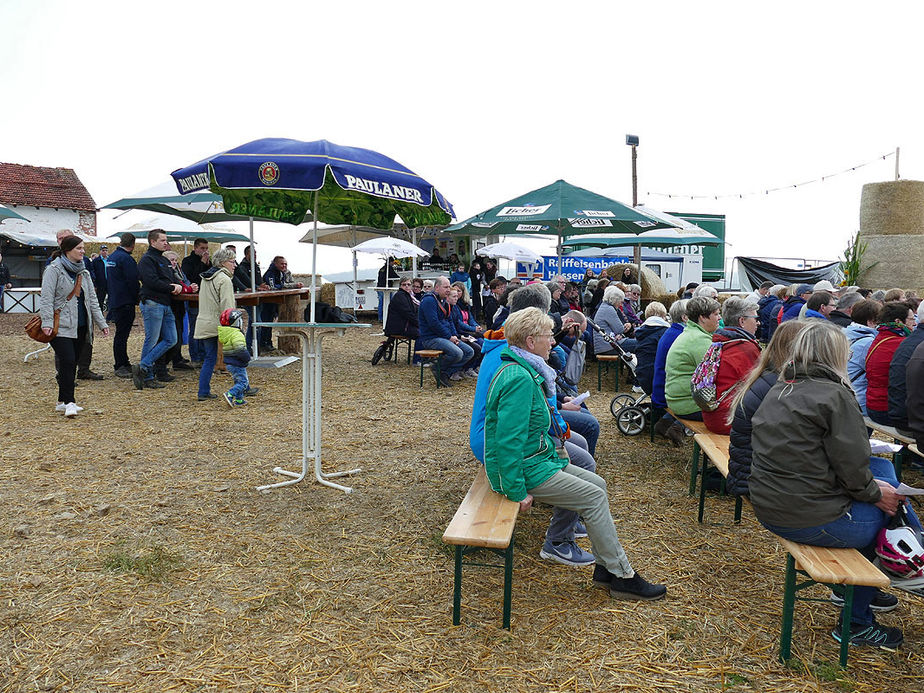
236	355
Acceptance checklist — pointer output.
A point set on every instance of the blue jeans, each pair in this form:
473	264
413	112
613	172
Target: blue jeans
159	334
209	358
561	526
240	381
585	424
455	356
381	303
195	348
856	529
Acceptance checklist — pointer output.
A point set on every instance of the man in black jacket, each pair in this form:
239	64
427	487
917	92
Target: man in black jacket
841	315
914	400
122	286
193	266
899	390
157	286
248	270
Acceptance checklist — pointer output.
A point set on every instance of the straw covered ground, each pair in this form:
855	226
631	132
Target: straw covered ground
138	556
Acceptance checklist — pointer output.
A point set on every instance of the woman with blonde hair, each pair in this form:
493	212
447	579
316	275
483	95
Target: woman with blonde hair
813	480
523	462
750	393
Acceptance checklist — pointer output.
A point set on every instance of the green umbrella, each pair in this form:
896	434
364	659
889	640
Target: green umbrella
559	209
7	213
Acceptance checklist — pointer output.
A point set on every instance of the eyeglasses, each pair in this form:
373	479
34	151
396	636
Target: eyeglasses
549	335
756	317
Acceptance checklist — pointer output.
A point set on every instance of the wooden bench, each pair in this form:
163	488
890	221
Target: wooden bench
484	520
397	340
714	447
696	427
430	355
898	458
844	567
607	359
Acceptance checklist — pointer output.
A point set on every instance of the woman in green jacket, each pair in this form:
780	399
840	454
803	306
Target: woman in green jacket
685	354
522	461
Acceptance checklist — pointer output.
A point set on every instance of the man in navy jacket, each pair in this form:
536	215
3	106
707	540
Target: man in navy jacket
122	285
437	331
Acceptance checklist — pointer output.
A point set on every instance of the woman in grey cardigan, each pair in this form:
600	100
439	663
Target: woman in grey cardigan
77	315
607	319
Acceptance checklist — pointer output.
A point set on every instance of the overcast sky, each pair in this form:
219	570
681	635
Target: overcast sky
486	100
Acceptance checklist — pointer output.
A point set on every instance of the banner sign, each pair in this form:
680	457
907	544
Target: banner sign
572	267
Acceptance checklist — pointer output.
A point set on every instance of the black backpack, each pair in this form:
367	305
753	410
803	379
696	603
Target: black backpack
326	313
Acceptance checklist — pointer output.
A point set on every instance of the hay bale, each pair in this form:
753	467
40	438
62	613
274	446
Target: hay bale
651	284
899	261
328	294
892	208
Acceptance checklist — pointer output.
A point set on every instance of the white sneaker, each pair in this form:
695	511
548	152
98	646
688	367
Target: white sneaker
471	373
61	406
637	389
71	409
456	376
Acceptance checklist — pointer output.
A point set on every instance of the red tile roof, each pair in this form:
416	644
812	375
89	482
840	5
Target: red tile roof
41	186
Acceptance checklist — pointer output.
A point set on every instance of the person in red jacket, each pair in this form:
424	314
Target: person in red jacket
896	321
740	353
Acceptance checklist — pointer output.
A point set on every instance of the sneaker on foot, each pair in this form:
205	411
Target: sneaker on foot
71	409
61	406
635	587
580	531
637	389
137	377
124	372
183	366
443	380
240	402
566	552
602	577
89	375
229	400
251	391
153	384
165	377
882	601
457	376
872	635
209	395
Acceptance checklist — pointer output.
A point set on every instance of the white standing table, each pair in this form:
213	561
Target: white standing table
311	336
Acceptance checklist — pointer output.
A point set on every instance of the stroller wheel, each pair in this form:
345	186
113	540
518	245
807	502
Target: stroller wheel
630	421
379	352
619	402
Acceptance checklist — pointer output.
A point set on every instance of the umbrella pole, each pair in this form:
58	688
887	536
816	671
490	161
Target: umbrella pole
253	288
355	280
414	258
314	252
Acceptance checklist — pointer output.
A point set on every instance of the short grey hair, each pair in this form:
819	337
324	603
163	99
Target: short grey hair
678	310
530	296
553	286
613	295
706	290
736	308
222	256
849	300
635	288
656	308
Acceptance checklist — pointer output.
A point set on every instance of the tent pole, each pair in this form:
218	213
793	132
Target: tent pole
314	252
253	288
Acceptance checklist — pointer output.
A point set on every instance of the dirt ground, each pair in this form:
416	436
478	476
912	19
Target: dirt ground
136	554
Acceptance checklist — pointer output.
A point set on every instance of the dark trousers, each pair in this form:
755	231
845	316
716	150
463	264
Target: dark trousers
268	313
123	318
175	353
195	349
84	350
65	349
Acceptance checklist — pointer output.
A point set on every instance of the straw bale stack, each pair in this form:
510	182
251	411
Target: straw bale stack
892	226
651	283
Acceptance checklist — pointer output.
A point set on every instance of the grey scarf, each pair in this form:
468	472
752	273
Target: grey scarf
544	369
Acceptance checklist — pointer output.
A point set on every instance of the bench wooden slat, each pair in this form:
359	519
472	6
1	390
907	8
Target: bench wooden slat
485	518
715	447
695	426
887	430
835	566
914	448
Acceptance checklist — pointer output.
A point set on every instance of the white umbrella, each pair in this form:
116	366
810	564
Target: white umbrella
510	251
387	247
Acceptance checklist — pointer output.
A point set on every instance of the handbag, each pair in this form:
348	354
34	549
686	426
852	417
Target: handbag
34	326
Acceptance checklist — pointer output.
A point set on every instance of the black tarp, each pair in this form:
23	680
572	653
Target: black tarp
758	271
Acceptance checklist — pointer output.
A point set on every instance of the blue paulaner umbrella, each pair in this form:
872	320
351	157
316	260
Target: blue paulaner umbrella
283	180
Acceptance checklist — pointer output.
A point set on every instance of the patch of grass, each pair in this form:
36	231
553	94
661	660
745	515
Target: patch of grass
732	680
150	564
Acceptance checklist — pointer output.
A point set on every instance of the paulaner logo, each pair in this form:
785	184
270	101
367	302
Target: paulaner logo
269	173
374	187
197	181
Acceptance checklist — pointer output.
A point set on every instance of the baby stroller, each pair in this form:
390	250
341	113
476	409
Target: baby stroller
630	412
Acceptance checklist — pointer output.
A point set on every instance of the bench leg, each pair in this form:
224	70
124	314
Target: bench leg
789	603
421	372
738	510
457	589
599	376
702	490
437	365
508	583
617	374
846	611
694	463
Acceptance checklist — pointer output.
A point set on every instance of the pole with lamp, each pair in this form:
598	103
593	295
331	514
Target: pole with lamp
632	141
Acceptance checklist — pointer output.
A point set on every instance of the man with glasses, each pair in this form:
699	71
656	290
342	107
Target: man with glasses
437	331
820	305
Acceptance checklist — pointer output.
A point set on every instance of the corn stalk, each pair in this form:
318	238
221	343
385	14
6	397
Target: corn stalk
852	264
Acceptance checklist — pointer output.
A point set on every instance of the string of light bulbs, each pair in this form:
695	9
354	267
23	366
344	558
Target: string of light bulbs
767	191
